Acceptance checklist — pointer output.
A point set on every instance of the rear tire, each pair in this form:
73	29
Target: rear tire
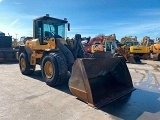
25	67
54	69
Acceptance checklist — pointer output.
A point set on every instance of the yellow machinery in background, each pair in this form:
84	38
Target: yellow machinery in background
97	80
16	43
123	49
128	41
112	46
143	50
155	50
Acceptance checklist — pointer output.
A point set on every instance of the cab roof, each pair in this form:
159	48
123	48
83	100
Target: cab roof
47	17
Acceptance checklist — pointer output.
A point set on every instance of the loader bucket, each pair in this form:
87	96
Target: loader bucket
99	81
135	59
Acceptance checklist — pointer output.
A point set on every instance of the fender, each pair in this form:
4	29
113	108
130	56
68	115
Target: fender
67	53
25	49
47	51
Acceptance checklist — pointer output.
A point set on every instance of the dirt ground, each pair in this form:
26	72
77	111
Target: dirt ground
29	98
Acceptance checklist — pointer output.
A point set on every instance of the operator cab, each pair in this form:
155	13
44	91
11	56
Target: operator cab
131	43
110	46
135	43
47	27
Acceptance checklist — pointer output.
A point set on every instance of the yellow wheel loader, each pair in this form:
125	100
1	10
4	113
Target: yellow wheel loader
97	80
155	50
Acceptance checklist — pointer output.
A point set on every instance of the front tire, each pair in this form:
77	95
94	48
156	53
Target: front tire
54	69
25	67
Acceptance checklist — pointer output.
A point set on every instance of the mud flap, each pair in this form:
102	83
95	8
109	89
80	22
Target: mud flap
99	81
135	59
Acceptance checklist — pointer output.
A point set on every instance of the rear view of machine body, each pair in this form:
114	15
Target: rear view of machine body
7	53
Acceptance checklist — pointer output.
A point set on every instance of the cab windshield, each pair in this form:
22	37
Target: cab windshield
131	43
150	42
51	30
135	43
128	43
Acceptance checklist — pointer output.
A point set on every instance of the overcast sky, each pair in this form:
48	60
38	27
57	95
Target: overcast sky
87	17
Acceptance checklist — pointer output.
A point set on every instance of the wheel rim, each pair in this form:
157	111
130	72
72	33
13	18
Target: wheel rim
48	69
23	64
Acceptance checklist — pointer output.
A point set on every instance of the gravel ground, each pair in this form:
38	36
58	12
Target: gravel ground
29	98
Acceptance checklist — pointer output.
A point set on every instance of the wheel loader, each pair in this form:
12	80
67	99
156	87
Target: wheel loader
96	80
155	50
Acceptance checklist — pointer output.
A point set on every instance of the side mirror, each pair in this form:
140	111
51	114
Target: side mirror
68	26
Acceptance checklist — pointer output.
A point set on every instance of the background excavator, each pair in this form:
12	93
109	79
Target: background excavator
143	49
92	41
7	50
128	41
96	81
100	46
112	46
